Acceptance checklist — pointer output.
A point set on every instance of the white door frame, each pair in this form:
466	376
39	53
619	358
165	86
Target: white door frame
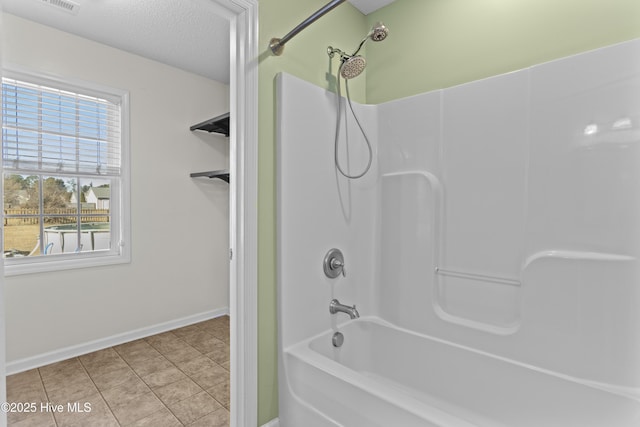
243	204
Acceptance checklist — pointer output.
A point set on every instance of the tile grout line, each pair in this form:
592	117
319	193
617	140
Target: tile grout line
189	376
154	393
46	395
99	391
144	382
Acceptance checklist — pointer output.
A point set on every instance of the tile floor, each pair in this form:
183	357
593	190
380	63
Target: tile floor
177	378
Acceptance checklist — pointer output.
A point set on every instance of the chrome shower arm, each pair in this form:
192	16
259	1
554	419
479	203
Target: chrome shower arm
361	44
378	33
277	45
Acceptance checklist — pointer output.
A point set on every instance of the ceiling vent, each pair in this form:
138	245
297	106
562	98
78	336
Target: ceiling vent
63	5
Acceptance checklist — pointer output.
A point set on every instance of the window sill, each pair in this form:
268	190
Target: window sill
47	264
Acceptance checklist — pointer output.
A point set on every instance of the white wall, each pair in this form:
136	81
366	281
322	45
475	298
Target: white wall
179	224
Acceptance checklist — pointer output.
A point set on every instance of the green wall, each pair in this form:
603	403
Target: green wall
435	44
305	56
432	44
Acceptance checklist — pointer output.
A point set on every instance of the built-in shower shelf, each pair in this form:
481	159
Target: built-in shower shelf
219	124
221	174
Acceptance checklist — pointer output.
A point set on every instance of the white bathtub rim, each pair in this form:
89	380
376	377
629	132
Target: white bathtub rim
399	398
402	400
303	347
309	406
273	423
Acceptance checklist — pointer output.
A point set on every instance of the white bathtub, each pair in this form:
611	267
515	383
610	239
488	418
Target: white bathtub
386	376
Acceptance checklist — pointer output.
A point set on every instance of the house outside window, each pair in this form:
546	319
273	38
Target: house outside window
65	182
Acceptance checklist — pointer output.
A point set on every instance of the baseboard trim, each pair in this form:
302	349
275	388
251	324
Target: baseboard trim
273	423
25	364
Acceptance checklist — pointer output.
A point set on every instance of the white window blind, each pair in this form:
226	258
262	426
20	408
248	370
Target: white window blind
57	131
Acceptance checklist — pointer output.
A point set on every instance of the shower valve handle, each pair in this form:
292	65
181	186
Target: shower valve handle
333	264
336	264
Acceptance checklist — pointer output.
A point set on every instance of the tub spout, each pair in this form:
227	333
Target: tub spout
336	307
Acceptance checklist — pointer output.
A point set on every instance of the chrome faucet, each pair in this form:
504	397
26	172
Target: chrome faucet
336	307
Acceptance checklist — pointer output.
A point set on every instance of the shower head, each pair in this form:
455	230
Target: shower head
378	32
352	66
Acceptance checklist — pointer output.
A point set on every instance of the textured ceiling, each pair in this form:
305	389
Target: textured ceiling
183	33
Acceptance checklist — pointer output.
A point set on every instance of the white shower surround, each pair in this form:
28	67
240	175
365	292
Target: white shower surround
498	231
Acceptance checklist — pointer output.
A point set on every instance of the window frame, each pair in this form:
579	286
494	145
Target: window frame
120	188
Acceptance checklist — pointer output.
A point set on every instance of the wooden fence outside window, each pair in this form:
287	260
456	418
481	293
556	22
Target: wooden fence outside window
22	216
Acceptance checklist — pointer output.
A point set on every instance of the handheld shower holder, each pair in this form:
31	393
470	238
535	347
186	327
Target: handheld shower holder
331	51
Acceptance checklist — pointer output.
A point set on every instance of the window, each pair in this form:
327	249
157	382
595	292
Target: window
64	153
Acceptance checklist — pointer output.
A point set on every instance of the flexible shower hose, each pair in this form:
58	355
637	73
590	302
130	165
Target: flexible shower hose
337	136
